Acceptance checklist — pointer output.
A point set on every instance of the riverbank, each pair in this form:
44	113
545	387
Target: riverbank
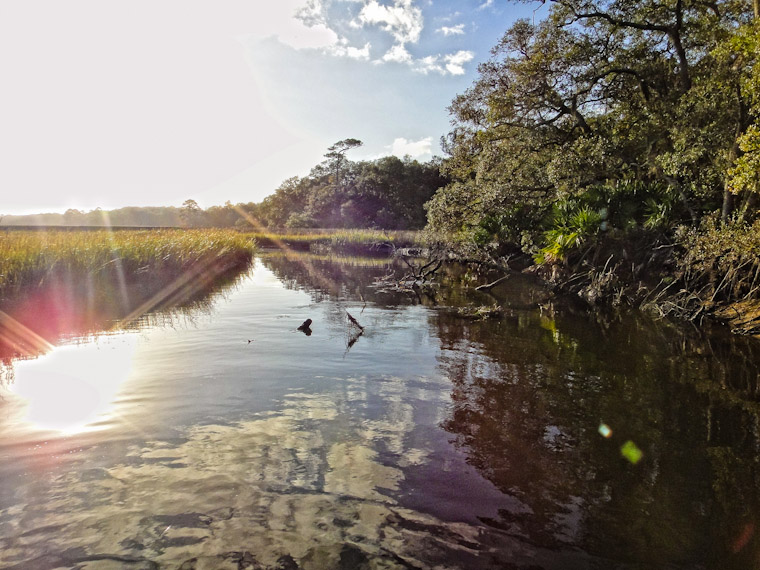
31	260
63	283
349	242
710	273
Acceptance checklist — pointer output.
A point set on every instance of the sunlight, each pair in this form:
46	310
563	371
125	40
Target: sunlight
74	386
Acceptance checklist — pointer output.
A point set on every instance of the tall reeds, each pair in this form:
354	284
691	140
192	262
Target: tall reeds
339	240
29	258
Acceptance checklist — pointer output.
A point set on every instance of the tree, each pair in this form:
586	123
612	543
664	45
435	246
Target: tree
73	217
191	213
387	192
742	49
598	96
337	154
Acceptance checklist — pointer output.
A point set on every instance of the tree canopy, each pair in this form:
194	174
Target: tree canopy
627	114
387	193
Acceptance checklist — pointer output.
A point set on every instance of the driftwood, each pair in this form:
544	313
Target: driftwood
354	336
354	321
422	272
305	327
489	286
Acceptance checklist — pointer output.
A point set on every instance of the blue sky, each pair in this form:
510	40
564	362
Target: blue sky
152	102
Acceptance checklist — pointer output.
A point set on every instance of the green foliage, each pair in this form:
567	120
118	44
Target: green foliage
619	207
572	226
745	173
614	116
385	193
301	220
505	225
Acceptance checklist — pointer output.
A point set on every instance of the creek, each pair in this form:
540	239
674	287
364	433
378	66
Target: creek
218	435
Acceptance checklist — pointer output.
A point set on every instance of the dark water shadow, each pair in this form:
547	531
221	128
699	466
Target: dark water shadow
546	402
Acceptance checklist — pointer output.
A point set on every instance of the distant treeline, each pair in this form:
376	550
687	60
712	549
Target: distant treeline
124	217
387	193
189	215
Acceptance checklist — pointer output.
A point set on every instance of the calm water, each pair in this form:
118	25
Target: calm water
432	440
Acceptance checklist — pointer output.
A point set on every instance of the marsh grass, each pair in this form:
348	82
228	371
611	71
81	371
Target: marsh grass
345	241
63	284
30	259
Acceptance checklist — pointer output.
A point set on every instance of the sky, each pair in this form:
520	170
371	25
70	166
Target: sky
112	103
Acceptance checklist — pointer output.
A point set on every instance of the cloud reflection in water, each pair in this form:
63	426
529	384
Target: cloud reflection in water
303	483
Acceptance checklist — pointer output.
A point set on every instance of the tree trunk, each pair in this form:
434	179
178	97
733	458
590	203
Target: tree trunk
728	205
749	208
728	196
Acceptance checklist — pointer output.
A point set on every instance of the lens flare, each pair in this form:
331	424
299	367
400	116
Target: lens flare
631	452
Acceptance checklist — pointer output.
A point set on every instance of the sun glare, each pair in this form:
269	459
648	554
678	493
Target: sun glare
73	388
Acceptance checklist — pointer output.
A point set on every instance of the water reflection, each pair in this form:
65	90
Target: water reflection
68	308
432	441
530	393
74	387
306	484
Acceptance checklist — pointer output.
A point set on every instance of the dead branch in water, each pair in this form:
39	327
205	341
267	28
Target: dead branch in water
489	286
353	336
422	272
354	321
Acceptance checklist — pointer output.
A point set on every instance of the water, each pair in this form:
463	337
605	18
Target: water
431	440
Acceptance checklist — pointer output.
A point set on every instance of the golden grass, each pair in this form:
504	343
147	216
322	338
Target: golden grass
26	257
338	238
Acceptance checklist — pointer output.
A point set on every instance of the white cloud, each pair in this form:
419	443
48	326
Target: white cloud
305	26
403	20
312	13
429	63
309	37
457	30
300	25
402	147
486	4
398	54
345	50
448	64
455	62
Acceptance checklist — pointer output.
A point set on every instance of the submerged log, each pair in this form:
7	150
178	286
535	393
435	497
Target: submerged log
354	321
489	286
305	327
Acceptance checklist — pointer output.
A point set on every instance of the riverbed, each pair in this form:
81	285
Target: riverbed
426	434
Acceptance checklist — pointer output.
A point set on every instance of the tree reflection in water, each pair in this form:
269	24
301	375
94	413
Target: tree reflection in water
530	392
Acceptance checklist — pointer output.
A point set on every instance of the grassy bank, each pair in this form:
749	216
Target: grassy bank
31	259
64	284
339	241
